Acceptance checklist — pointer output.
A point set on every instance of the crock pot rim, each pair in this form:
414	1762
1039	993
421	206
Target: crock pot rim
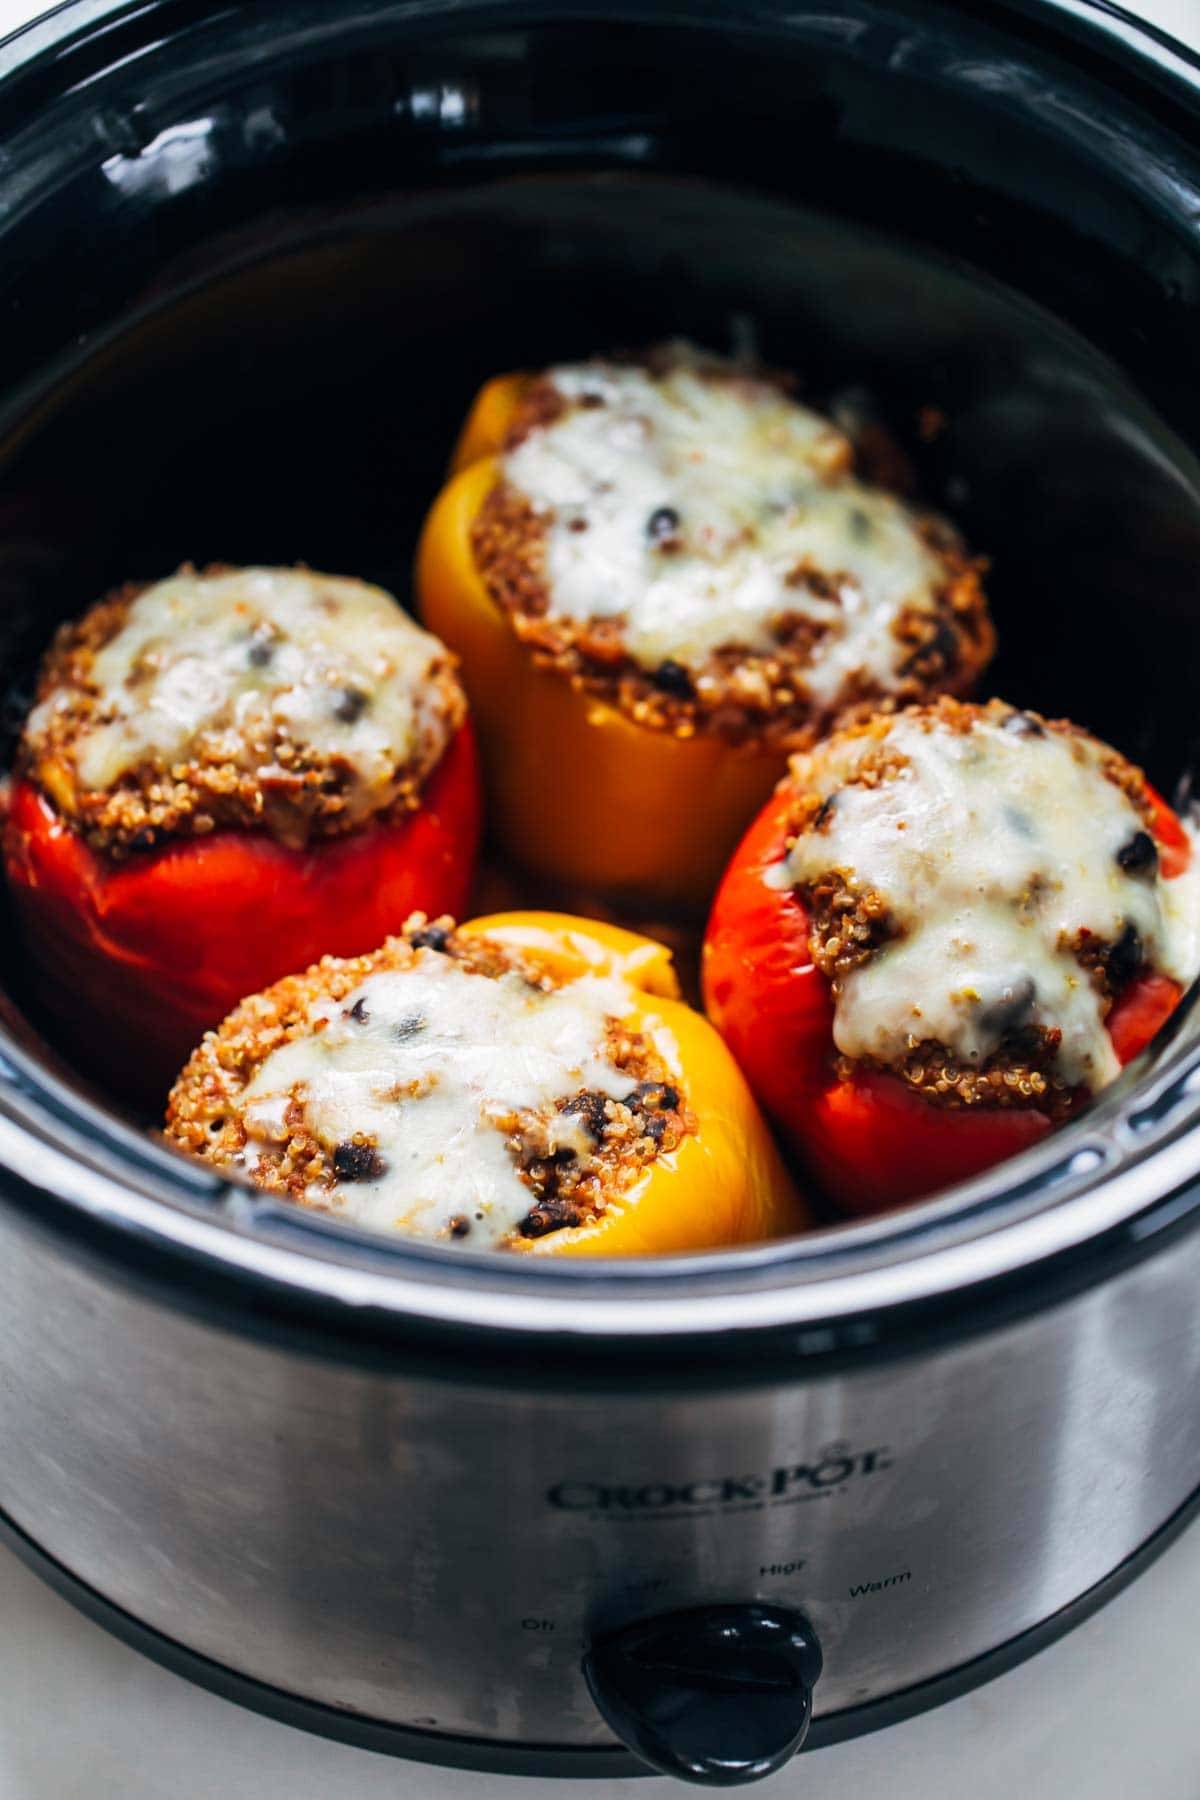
1106	24
941	1248
947	1264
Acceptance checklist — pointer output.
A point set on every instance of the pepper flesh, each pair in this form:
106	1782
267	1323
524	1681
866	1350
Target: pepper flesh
725	1183
577	792
871	1141
136	959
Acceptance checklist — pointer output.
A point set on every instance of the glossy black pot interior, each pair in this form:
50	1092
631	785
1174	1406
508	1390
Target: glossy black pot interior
258	260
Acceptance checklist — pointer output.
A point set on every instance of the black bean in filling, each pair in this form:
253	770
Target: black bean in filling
1139	856
561	1197
938	653
592	1108
672	678
430	937
548	1215
1126	957
351	705
1010	1016
652	1096
358	1162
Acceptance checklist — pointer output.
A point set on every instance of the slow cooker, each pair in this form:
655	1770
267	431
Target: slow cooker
551	1519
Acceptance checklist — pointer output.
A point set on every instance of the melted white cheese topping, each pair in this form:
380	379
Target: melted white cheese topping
432	1069
759	484
225	661
992	850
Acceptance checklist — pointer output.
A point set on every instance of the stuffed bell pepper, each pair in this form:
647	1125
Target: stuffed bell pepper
528	1081
227	774
947	930
662	576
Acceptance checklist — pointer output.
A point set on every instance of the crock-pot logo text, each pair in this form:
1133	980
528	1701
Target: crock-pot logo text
827	1473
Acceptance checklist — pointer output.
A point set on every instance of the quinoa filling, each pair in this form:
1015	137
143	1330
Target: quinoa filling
684	540
299	704
982	887
445	1086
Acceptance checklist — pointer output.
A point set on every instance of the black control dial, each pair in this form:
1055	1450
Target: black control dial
718	1695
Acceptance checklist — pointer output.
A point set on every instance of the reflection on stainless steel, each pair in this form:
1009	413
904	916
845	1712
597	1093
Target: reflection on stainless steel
422	1548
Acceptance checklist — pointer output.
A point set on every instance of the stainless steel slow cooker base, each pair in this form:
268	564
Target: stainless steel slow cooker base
405	1492
433	1539
548	1761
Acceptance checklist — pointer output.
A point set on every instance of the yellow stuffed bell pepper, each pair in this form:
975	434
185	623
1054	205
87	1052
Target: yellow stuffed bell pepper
577	791
725	1183
390	1090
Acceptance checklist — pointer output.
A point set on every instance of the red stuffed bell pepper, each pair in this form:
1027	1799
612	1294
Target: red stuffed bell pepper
947	930
227	775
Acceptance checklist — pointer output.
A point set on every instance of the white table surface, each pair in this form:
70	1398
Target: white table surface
1110	1713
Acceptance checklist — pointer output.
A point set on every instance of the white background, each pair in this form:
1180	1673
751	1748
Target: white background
1111	1713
